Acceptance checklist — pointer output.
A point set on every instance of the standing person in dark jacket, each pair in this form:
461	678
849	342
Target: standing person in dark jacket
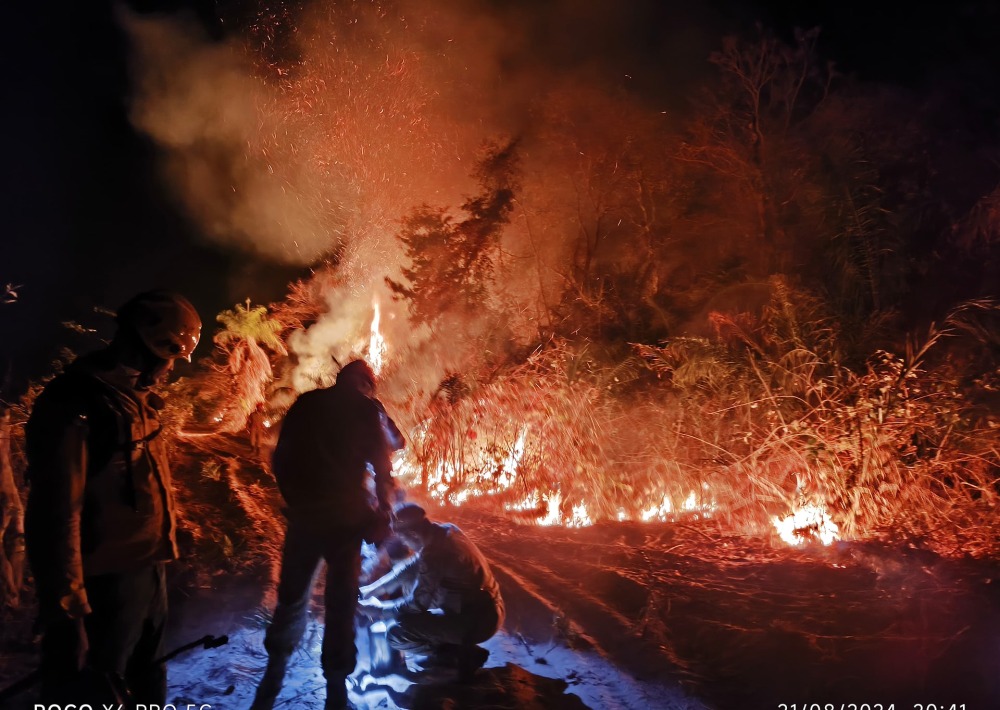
450	601
100	518
328	441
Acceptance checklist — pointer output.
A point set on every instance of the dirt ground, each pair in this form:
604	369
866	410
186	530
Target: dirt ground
675	616
744	623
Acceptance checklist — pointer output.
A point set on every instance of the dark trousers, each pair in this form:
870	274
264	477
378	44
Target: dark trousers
125	633
305	547
425	632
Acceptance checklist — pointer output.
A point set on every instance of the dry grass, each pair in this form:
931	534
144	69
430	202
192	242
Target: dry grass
744	426
748	425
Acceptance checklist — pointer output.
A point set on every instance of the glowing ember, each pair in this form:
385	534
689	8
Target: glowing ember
376	344
494	476
807	523
578	518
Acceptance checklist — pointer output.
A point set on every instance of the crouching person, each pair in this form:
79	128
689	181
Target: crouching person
450	600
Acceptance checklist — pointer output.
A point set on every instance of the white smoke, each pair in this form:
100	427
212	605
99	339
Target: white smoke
383	108
202	104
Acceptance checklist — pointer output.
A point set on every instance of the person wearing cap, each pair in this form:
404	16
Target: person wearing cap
449	603
100	516
328	441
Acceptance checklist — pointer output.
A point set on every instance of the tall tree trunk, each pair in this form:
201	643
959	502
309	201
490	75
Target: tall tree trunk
11	523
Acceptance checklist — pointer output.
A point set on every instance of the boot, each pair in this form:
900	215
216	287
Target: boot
470	660
270	685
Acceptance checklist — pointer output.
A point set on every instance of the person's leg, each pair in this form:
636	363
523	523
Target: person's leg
299	560
479	623
125	635
148	682
121	605
343	567
424	632
449	640
60	681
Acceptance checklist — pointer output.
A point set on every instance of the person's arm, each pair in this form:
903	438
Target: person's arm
393	435
58	432
421	598
396	579
427	590
379	455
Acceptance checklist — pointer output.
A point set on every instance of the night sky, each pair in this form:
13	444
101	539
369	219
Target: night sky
88	220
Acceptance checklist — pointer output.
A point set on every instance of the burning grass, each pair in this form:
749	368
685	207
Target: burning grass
764	427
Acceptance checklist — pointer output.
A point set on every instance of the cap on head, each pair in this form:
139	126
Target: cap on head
357	374
164	321
408	516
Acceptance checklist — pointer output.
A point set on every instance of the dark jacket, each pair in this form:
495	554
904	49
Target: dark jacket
328	439
100	500
450	573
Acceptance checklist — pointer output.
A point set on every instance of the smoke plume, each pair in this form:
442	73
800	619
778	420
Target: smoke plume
318	148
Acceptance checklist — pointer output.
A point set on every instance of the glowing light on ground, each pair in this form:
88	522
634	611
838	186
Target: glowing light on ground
478	472
495	477
578	517
376	343
809	522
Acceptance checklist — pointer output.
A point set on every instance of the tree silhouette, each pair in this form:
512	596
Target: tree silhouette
452	262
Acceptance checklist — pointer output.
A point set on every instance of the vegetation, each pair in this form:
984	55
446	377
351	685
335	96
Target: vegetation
759	354
745	426
711	314
246	332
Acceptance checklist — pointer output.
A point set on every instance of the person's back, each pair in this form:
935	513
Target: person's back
320	462
461	572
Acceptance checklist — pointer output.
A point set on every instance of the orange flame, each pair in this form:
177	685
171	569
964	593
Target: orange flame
810	521
376	343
